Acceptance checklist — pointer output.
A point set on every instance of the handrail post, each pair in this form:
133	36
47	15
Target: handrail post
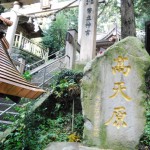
44	77
22	65
20	40
45	53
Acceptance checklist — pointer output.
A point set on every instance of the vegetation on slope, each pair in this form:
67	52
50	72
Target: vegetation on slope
57	119
145	139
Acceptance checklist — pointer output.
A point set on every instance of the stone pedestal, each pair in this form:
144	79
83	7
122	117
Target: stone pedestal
112	96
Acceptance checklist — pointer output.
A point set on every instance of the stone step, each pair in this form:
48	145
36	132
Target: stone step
41	67
7	104
90	148
3	100
70	146
46	71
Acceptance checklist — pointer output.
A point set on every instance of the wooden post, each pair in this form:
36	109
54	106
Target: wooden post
20	40
89	25
22	65
72	116
46	54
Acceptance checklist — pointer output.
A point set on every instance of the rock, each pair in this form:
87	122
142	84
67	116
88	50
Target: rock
62	146
112	100
90	148
69	146
88	125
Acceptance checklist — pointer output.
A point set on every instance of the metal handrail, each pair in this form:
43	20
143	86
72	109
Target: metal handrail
44	59
34	64
47	65
44	69
7	109
14	60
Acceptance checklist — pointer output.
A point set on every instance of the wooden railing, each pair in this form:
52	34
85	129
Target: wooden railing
25	44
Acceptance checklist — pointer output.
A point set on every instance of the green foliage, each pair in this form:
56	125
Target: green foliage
54	37
140	21
2	9
108	15
142	13
27	75
145	139
35	132
142	6
9	116
71	14
51	122
66	87
37	129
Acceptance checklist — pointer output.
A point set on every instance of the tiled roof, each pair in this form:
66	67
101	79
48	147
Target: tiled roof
11	81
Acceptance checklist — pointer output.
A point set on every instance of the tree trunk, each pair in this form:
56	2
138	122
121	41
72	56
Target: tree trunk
127	18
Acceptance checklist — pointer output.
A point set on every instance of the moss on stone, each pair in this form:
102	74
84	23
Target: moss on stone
131	48
79	67
103	136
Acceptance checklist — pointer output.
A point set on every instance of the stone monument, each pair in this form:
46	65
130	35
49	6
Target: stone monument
112	96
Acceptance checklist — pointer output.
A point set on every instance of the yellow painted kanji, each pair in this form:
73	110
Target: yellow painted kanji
118	116
120	67
119	88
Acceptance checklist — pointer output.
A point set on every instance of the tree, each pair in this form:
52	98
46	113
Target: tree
108	14
127	18
142	6
142	13
54	37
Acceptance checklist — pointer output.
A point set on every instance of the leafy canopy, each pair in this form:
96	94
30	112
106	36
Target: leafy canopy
54	36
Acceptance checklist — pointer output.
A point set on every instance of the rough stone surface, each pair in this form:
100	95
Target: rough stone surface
97	86
62	146
69	146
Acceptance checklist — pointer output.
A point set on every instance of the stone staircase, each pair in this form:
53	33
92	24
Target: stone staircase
4	133
42	75
7	113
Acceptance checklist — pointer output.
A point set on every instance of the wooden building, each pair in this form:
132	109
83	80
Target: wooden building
107	40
